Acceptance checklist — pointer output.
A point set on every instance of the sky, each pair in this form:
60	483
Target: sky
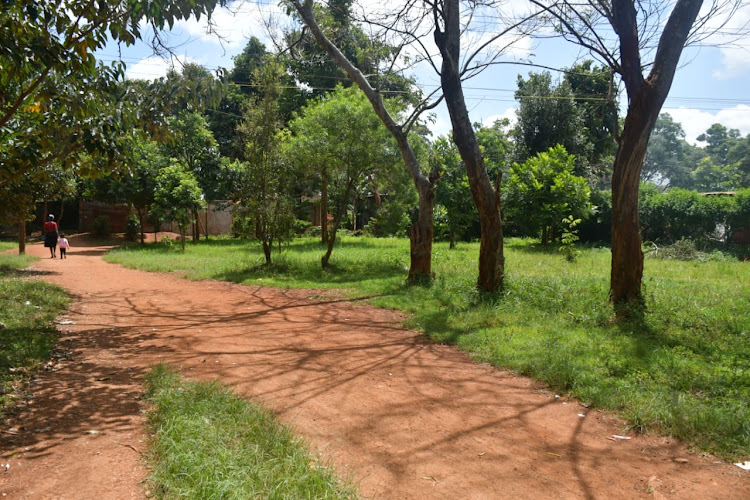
711	85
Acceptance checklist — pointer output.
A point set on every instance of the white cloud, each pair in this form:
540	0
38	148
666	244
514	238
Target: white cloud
510	114
730	34
233	25
153	67
735	62
695	121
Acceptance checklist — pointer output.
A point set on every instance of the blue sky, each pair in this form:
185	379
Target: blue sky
710	86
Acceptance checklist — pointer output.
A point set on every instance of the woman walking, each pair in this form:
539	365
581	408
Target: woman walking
50	236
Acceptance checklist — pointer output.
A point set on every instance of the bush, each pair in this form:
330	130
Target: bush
301	227
132	228
674	215
101	226
738	217
598	229
685	250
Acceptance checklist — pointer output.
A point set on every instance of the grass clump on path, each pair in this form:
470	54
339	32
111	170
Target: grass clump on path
683	369
27	310
209	443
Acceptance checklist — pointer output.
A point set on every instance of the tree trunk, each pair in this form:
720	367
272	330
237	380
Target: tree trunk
267	252
421	235
336	223
452	239
22	236
627	257
646	97
196	229
208	205
141	216
324	207
486	196
183	236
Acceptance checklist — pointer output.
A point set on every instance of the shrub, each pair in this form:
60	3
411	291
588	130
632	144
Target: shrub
598	229
132	228
738	217
684	249
101	226
301	227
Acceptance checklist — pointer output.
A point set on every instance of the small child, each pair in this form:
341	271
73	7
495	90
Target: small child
62	243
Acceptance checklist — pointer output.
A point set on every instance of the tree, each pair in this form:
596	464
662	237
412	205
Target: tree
194	145
548	115
18	199
544	190
17	202
261	191
329	136
55	100
447	33
177	197
443	20
739	155
719	141
665	161
421	231
637	26
595	96
139	184
709	176
320	73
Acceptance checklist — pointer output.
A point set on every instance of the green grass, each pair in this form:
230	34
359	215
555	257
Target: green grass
27	309
683	370
210	444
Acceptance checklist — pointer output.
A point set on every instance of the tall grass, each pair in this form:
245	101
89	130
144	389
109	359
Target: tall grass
684	369
208	443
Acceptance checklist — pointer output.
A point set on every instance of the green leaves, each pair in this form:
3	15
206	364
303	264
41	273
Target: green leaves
56	102
543	190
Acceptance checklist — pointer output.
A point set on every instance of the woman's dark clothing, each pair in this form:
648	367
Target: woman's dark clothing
50	238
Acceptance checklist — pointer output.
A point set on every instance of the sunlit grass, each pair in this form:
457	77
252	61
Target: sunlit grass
682	370
209	443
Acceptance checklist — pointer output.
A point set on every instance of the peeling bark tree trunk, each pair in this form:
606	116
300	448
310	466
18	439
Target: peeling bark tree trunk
646	98
486	196
421	231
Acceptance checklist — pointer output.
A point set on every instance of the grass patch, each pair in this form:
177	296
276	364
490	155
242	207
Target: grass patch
27	334
683	370
209	443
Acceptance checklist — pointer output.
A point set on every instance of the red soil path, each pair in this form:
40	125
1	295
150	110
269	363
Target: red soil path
404	417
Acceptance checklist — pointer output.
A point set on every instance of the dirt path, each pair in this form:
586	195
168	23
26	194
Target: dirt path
406	418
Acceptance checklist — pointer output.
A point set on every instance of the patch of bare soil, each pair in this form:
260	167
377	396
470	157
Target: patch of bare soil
405	418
